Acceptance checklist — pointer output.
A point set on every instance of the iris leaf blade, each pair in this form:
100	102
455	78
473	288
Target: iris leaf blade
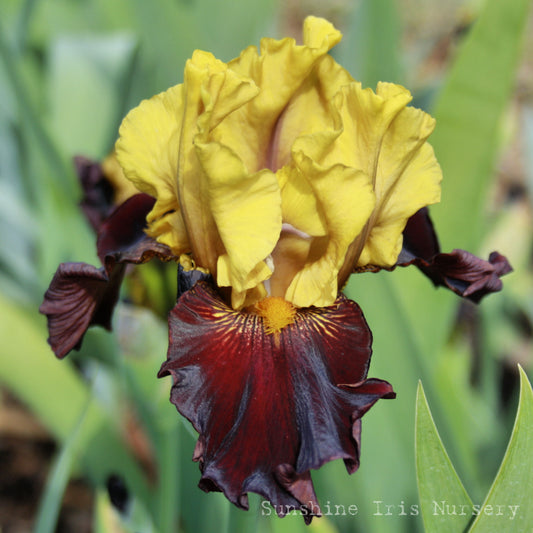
508	504
438	483
469	113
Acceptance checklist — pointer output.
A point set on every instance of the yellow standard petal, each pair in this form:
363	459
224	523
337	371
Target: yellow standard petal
346	199
385	138
212	91
279	70
242	207
247	212
299	205
407	178
148	151
279	172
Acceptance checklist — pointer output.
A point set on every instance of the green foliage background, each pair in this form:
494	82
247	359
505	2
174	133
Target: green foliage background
71	69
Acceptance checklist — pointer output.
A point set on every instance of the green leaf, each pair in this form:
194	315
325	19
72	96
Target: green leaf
508	505
444	502
469	113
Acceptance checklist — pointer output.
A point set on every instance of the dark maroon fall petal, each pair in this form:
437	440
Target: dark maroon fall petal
419	237
468	275
270	407
124	228
97	199
81	295
462	272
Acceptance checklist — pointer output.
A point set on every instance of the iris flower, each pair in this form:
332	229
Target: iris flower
269	180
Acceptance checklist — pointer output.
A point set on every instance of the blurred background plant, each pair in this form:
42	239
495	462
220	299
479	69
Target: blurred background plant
99	424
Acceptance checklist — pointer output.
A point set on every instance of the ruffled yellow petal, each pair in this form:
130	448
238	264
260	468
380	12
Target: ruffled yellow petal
222	90
247	212
319	33
277	171
212	91
148	151
365	118
407	178
383	137
316	93
346	198
279	70
299	205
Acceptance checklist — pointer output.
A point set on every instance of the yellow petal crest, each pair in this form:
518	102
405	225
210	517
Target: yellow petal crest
319	33
299	205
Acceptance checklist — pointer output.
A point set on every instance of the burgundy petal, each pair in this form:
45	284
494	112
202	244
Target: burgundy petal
462	272
122	234
419	237
82	295
270	407
97	200
79	296
468	275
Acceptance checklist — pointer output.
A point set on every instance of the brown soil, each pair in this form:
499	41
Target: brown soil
26	453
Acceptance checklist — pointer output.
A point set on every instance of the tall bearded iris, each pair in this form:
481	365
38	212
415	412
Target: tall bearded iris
270	180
